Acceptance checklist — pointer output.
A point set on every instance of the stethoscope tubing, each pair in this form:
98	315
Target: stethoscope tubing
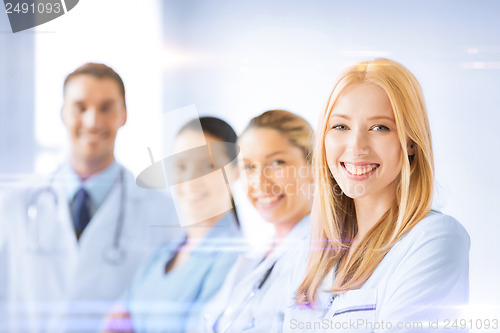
114	255
245	303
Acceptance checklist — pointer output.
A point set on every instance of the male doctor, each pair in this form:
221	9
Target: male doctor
69	245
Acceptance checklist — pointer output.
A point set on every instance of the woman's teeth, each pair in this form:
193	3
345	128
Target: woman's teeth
268	200
360	170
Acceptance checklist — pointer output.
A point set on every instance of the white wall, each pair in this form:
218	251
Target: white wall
121	34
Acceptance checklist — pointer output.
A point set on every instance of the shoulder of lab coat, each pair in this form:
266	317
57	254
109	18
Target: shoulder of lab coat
163	222
148	196
278	290
426	273
14	198
425	276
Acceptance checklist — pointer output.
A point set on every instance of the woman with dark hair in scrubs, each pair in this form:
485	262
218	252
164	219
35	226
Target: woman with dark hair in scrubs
173	285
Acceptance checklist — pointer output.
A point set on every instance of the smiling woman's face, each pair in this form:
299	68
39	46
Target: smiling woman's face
363	150
277	176
200	191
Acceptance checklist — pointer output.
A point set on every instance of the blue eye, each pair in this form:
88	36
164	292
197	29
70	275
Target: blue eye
340	127
277	163
380	128
248	167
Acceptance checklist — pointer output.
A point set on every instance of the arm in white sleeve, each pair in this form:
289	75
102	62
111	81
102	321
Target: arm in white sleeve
432	280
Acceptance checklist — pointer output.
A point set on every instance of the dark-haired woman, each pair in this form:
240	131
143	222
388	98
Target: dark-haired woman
168	292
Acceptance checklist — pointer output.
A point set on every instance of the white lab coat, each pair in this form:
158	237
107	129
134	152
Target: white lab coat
425	276
40	287
264	313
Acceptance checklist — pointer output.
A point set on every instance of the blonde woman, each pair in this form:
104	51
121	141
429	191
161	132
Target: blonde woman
382	260
276	154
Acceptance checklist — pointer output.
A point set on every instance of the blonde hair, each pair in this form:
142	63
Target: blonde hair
334	218
295	128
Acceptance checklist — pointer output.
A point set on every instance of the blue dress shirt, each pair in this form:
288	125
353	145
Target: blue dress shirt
97	185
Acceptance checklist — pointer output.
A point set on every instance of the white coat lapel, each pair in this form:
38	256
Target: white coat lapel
66	232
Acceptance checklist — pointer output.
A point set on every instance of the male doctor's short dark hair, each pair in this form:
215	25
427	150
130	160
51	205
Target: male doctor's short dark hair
99	71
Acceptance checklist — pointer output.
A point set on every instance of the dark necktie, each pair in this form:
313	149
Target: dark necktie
81	211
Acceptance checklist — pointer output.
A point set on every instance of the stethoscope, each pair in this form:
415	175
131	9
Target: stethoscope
243	305
114	254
